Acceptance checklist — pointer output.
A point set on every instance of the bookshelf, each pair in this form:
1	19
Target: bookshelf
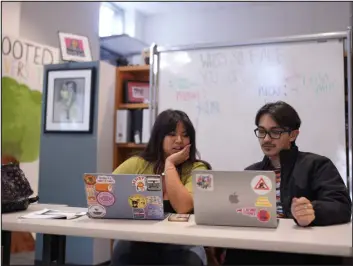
133	106
131	145
123	151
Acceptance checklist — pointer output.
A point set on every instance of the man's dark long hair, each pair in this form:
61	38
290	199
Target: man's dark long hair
165	123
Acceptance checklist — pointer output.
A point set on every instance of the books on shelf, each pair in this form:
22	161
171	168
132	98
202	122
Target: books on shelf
123	121
132	126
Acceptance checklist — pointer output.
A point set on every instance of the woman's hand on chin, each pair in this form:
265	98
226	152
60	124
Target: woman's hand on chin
179	157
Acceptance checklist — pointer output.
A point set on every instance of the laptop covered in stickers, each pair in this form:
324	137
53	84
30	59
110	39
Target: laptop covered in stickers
239	198
112	196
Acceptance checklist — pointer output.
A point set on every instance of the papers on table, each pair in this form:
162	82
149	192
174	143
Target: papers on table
52	214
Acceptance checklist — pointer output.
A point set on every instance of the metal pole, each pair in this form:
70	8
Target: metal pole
153	49
350	110
351	16
156	76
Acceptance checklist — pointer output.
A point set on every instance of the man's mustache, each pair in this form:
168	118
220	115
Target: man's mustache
268	145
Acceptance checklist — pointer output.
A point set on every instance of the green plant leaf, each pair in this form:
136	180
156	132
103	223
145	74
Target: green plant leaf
21	120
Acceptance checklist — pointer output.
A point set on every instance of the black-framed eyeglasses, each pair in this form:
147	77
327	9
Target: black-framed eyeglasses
273	133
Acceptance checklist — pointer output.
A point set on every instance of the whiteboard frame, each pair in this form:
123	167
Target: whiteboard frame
153	83
319	37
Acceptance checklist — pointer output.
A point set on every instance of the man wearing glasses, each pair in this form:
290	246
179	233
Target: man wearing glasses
309	187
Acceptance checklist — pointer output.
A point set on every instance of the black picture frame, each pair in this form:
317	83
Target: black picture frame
64	76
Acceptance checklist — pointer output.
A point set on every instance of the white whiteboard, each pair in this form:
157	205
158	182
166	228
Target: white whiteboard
221	89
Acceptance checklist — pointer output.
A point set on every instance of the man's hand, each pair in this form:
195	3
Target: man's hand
303	211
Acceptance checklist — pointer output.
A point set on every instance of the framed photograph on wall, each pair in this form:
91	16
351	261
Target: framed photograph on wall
74	47
69	101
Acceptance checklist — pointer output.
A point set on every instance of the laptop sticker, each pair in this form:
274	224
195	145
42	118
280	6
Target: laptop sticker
250	211
263	215
96	211
91	195
263	202
140	183
137	201
89	179
154	183
138	213
91	200
154	211
204	182
105	198
105	179
103	187
261	185
154	200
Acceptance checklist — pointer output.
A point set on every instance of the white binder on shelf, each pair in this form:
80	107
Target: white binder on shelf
146	130
123	121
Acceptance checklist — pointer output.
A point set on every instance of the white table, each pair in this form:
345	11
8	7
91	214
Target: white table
60	240
288	237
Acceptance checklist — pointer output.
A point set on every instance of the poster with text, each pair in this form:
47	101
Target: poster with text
21	102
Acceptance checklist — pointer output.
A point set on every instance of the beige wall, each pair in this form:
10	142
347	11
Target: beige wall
247	22
10	20
40	22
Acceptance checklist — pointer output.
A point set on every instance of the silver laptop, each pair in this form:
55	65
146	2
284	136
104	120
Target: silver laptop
124	196
244	198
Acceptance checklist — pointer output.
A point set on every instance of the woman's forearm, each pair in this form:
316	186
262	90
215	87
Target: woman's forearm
178	195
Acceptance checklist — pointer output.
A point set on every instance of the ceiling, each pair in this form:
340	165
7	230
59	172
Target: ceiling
153	8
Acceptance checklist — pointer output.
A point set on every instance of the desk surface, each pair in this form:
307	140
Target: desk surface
288	237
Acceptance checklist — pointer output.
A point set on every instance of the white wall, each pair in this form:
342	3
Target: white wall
247	22
40	22
10	21
106	110
134	22
140	21
134	27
